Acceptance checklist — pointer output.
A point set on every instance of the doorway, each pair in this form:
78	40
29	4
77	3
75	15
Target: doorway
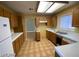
29	27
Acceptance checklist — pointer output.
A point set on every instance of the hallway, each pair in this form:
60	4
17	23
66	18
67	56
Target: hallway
42	48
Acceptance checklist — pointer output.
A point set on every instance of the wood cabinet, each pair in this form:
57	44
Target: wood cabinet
14	20
75	16
19	27
37	19
64	42
17	44
47	34
52	22
1	11
37	36
49	22
6	13
51	36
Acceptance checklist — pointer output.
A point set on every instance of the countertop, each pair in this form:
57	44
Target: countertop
70	50
71	36
16	35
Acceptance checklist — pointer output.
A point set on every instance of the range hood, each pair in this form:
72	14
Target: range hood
43	21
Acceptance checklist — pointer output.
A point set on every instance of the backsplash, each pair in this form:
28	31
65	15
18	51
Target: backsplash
12	31
76	29
73	29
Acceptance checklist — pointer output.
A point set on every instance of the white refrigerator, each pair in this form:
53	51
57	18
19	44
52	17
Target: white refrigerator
6	48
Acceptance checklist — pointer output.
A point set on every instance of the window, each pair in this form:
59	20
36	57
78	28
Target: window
66	21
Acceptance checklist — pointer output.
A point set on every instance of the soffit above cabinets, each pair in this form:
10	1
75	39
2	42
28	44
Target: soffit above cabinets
22	6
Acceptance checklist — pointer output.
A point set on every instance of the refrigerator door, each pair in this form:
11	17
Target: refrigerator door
4	28
6	48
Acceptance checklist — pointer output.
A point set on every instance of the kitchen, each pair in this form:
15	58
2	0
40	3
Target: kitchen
60	27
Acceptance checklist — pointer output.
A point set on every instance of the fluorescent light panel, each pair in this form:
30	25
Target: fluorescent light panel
43	6
54	7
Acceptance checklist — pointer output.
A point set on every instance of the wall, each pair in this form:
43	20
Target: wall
29	26
40	18
30	22
68	11
35	18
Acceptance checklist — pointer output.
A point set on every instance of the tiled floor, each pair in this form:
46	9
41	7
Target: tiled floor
32	48
43	48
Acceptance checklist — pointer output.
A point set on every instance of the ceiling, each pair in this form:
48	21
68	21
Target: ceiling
23	6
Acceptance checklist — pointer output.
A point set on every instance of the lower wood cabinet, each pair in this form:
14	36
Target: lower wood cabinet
64	42
51	36
37	36
55	39
17	44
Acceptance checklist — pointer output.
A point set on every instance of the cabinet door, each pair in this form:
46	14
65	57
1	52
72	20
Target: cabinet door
17	44
64	42
14	22
54	21
14	47
47	34
7	13
76	17
1	11
37	36
51	36
20	41
49	22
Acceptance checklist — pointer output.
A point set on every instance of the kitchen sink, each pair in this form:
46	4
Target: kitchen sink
60	32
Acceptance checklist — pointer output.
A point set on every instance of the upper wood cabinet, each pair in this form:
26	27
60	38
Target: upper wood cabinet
52	22
76	17
14	22
7	13
1	11
49	22
37	19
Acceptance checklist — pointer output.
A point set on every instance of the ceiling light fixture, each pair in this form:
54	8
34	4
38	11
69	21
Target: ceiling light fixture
43	6
54	7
